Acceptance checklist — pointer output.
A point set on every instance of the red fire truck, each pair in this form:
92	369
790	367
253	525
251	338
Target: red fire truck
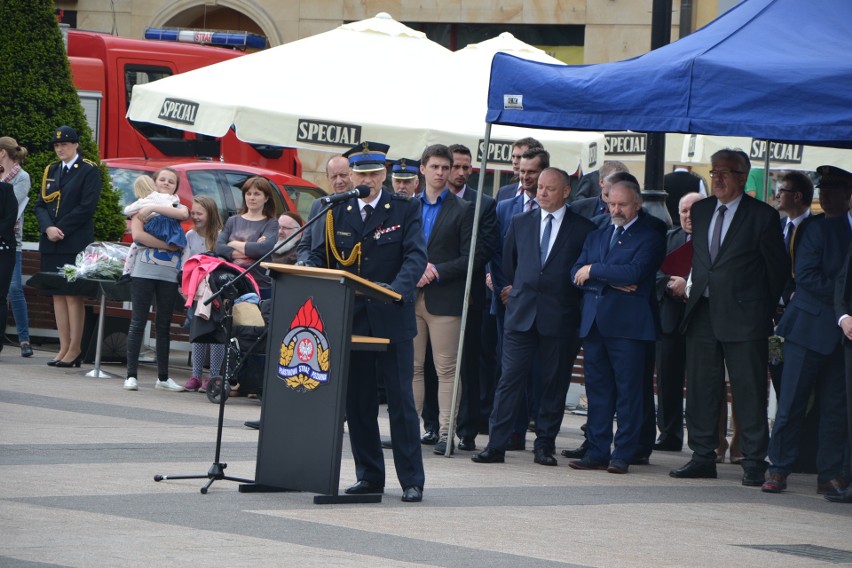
105	68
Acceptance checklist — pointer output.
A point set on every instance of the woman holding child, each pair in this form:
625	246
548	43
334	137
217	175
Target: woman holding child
155	229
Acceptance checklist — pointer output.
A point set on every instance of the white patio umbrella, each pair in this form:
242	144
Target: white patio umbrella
324	92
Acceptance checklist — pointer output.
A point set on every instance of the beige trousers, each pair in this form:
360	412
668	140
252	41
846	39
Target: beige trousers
443	332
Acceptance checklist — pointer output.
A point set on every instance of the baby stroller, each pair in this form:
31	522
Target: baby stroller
240	325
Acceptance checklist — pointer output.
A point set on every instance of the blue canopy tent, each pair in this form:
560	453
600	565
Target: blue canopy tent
774	69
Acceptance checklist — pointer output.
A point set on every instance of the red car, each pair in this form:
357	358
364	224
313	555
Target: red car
218	180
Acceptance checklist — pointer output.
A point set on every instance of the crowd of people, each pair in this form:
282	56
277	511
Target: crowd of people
691	305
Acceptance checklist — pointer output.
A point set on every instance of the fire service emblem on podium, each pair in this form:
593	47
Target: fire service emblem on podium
303	359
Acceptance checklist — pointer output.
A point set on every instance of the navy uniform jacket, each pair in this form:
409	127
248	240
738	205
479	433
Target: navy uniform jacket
843	290
634	259
542	297
392	252
73	211
809	318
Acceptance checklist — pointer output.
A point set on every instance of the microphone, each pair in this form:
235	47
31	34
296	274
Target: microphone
361	192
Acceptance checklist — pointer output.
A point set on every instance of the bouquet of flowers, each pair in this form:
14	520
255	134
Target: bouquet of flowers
101	260
776	349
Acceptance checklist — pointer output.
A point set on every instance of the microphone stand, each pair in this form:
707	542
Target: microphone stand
217	469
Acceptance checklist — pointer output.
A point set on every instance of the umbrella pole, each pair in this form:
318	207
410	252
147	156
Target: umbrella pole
766	173
467	284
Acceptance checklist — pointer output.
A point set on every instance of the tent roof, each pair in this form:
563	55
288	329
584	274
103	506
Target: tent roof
773	69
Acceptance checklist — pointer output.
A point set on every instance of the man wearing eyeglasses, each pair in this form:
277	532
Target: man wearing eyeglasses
739	267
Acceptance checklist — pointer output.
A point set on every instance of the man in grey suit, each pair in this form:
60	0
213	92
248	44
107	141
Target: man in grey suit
739	267
337	171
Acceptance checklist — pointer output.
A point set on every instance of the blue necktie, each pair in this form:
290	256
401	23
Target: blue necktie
616	234
545	237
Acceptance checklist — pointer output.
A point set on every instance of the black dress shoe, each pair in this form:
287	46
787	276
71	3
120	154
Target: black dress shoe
586	463
26	349
754	476
365	488
696	470
841	497
255	424
544	458
412	494
576	454
640	460
430	438
75	363
489	455
52	362
467	444
832	486
668	446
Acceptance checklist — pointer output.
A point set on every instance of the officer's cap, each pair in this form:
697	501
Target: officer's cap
65	134
832	177
405	168
367	157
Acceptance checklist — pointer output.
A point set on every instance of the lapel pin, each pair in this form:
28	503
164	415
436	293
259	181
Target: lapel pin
349	208
387	205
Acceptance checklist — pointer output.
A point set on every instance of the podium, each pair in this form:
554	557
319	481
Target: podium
305	380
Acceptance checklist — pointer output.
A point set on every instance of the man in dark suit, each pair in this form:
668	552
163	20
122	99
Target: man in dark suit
813	354
447	228
337	172
542	315
533	162
738	270
671	363
595	204
513	188
677	184
843	313
486	242
380	238
616	270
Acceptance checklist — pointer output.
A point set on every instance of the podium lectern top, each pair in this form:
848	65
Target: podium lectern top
363	286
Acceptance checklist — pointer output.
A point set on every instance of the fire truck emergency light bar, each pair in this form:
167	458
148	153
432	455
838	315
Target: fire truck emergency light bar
227	39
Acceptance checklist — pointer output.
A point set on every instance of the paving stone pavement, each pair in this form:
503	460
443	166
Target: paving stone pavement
78	456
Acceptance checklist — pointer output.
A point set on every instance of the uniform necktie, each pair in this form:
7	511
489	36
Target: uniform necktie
545	237
788	236
616	234
64	170
716	241
368	210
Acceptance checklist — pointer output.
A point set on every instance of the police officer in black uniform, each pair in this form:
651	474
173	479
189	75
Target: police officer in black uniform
65	211
391	252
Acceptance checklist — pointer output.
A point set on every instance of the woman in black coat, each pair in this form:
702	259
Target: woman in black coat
8	215
65	211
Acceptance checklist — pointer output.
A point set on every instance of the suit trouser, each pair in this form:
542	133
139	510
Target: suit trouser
671	366
557	357
847	351
362	412
489	368
468	421
615	376
523	410
442	332
804	369
746	361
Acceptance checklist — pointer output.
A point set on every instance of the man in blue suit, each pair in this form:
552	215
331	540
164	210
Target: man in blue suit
532	163
617	271
813	353
380	238
514	187
542	315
